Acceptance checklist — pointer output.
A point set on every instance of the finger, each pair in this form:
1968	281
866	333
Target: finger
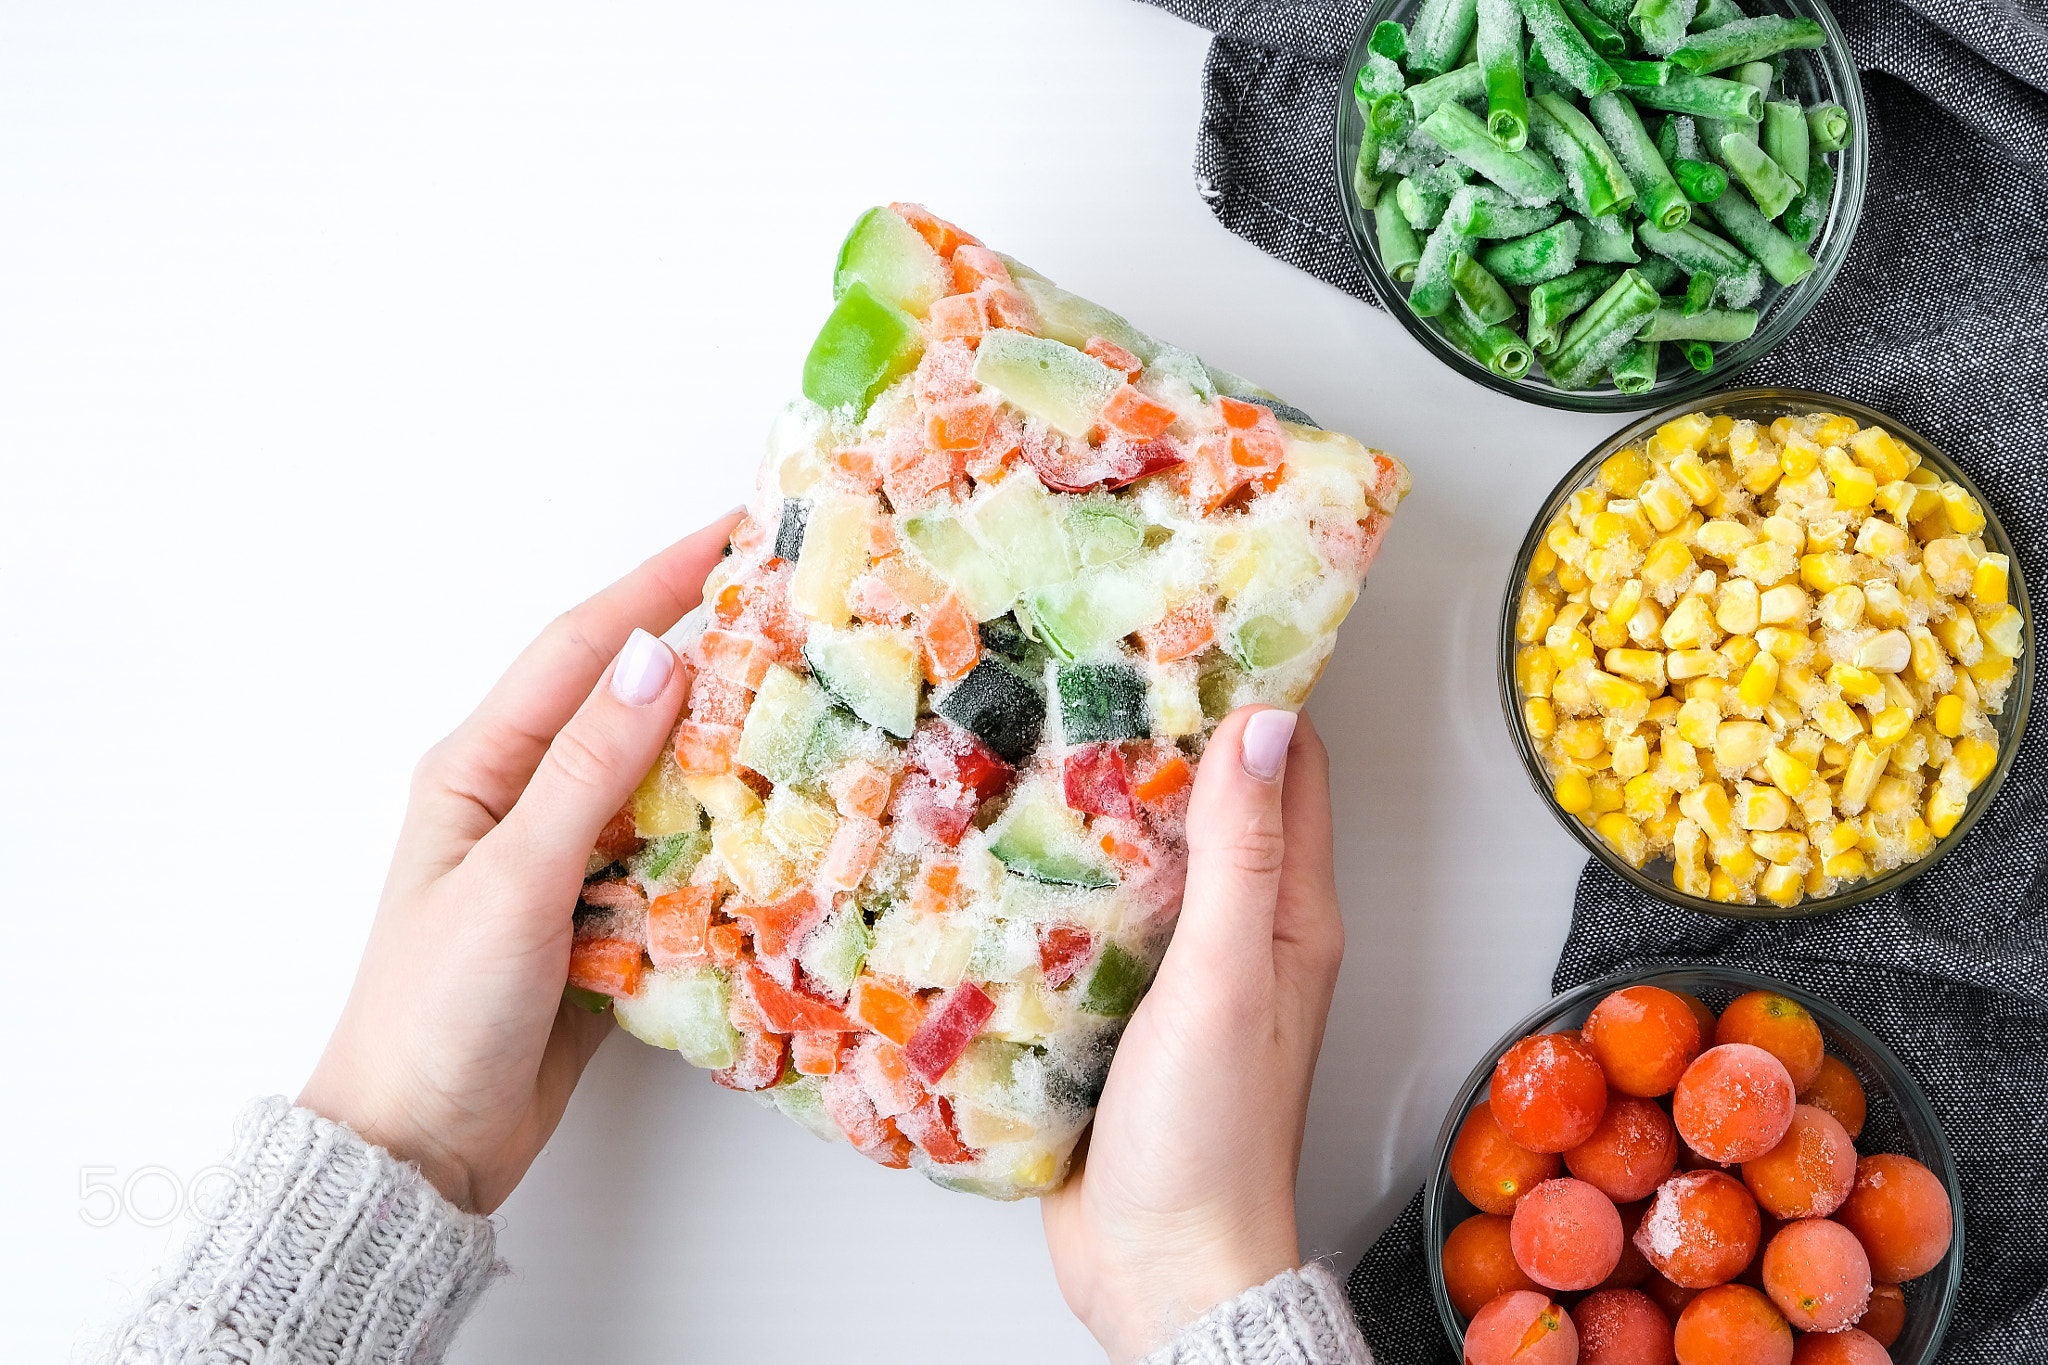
593	765
1235	839
1308	878
491	755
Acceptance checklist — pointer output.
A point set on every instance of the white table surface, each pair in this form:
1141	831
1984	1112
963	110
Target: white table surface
342	346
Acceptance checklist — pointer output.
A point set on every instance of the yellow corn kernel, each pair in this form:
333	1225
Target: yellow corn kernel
1647	625
1850	866
1893	794
1950	563
1827	533
1943	810
1958	635
1782	886
1855	684
1607	635
1928	658
1627	598
1604	528
1663	710
1740	652
1833	758
1853	487
1533	617
1678	765
1699	721
1889	726
1614	695
2000	629
1584	505
1624	836
1666	562
1758	475
1721	887
1606	793
1689	626
1541	564
1786	644
1799	457
1977	757
1948	716
1680	436
1783	605
1880	539
1663	502
1918	587
1567	646
1709	690
1832	430
1866	765
1573	792
1826	572
1883	604
1681	664
1736	610
1535	670
1631	757
1741	743
1643	796
1798	682
1580	739
1919	838
1763	808
1788	774
1828	840
1692	879
1842	609
1767	562
1539	718
1572	578
1645	666
1778	846
1707	806
1988	581
1738	859
1724	539
1922	478
1623	472
1609	563
1992	669
1897	499
1759	681
1877	452
1692	475
1887	652
1965	513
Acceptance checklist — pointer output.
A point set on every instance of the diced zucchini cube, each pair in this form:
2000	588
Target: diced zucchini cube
1004	710
1102	702
1060	386
874	671
889	256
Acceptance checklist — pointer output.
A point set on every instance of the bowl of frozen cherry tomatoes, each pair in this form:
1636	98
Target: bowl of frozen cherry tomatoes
1697	1167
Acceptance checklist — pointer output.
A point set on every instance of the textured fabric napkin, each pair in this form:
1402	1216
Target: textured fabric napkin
1939	316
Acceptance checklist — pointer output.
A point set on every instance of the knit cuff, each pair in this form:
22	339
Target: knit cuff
1298	1317
321	1248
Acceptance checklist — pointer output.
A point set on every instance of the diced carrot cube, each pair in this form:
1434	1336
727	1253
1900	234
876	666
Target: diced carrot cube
976	266
1113	355
1130	413
884	1073
882	541
780	927
1187	628
940	235
885	1009
729	604
1004	445
1007	307
1374	528
1239	415
951	640
959	425
677	925
956	317
848	1106
1121	845
609	966
860	789
1386	480
706	750
872	599
726	942
936	889
917	474
715	701
619	838
1211	476
893	1151
945	373
930	1126
850	853
1168	778
750	539
759	1066
1260	453
815	1054
855	469
737	657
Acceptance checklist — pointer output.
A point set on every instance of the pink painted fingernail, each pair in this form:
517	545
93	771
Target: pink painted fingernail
1266	736
642	669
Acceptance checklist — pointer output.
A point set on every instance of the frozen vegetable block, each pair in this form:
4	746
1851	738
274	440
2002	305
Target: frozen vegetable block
913	856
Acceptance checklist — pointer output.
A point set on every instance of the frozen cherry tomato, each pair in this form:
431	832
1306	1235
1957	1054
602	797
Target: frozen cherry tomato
1489	1169
1835	1090
1900	1212
1631	1270
1645	1037
1780	1026
1817	1274
1809	1172
1548	1092
1701	1229
1479	1265
1732	1324
1840	1348
1733	1103
1885	1318
1521	1327
1621	1327
1700	1012
1566	1234
1631	1151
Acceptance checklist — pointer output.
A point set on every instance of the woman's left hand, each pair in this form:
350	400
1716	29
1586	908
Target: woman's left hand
456	1050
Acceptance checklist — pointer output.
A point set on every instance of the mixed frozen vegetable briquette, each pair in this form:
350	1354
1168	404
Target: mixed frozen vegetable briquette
1618	176
918	843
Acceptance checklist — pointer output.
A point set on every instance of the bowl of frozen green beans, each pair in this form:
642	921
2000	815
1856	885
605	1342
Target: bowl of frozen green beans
1602	205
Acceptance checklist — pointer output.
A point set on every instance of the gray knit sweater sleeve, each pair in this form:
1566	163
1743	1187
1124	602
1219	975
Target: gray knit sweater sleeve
323	1248
1298	1317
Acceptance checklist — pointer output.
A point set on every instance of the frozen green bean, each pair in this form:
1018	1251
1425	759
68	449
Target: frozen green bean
1439	33
1432	291
1660	24
1767	184
1602	331
1715	14
1672	323
1610	238
1400	250
1459	132
1828	126
1388	39
1535	258
1483	211
1641	73
1699	293
1495	347
1698	354
1500	60
1809	211
1444	178
1780	256
1747	40
1635	369
1378	80
1786	140
1553	302
1613	12
1658	196
1565	49
1420	207
1693	249
1480	291
1661	273
1588	162
1603	37
1701	96
1457	86
1702	181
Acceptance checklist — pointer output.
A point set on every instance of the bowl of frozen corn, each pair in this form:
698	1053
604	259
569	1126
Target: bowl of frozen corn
1766	655
1602	205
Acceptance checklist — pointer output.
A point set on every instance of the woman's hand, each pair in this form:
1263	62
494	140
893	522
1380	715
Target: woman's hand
1185	1195
455	1050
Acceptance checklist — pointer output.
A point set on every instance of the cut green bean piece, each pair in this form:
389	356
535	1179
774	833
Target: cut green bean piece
1378	80
1477	288
1500	60
1612	238
1495	347
1422	209
1483	211
1701	96
1672	323
1470	52
1603	37
1614	12
1377	76
1716	14
1444	178
1388	39
1365	181
1781	257
1661	24
1642	73
1588	162
1828	125
1439	33
1553	302
1535	258
1453	87
1635	369
1810	210
1786	139
1602	332
1758	76
1702	181
1565	49
1667	140
1694	250
1658	196
1767	184
1400	249
1748	40
1458	131
1432	291
1699	293
1661	273
1699	355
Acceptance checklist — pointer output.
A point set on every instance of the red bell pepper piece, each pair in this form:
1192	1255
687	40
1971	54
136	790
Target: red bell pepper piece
1062	948
930	1126
939	810
791	1011
780	927
609	966
1095	782
952	754
948	1030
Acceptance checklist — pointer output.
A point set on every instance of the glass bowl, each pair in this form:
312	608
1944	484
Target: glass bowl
1765	405
1816	76
1899	1120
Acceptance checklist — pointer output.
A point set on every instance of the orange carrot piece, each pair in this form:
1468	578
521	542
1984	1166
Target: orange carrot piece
860	789
1211	476
737	657
855	469
936	889
885	1074
960	317
759	1066
791	1011
815	1054
1130	413
609	966
619	838
706	750
976	266
940	235
1164	781
951	641
1007	307
882	540
959	425
1239	415
1113	355
918	474
885	1009
715	701
779	927
1185	629
677	925
726	942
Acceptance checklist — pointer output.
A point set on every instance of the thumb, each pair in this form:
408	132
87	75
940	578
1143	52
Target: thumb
590	768
1236	838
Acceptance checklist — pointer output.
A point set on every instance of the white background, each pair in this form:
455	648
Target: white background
341	346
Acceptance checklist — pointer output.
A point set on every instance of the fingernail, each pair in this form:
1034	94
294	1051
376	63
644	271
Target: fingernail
642	669
1265	743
